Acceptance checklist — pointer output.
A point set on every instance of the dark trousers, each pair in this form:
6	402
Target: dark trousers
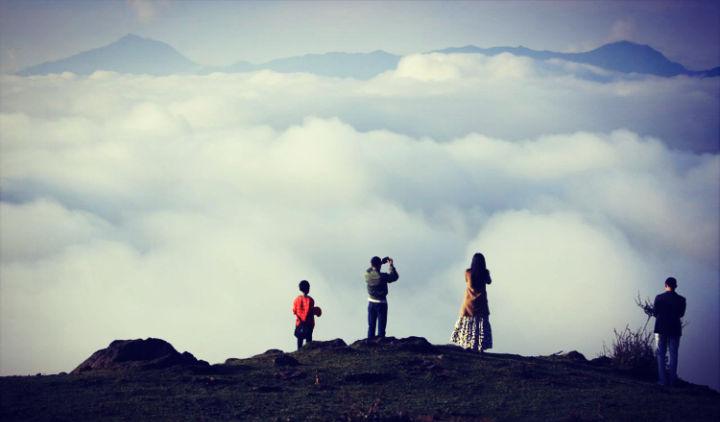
306	334
667	369
377	316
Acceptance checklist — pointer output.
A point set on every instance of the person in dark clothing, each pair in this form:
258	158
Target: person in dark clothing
668	308
377	287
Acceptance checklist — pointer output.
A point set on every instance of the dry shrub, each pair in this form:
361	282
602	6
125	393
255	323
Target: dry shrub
633	350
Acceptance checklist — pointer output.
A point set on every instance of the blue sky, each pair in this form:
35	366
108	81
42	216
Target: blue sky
219	33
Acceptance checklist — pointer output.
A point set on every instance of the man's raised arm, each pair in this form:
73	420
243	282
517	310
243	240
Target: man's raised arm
392	275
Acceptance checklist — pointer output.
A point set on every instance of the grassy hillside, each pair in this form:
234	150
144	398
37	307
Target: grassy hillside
394	380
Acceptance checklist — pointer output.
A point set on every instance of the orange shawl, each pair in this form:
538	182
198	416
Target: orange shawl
474	301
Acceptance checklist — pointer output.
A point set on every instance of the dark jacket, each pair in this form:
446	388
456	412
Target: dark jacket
669	307
377	282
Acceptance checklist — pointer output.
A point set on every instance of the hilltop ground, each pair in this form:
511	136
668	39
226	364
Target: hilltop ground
406	379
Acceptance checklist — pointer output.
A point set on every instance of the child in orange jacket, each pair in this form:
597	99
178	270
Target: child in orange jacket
305	311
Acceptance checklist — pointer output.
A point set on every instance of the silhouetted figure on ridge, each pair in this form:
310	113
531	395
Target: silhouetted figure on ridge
668	308
377	287
472	330
305	312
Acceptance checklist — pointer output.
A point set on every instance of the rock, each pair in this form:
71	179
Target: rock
335	344
601	361
574	356
285	360
361	344
231	366
122	355
416	344
270	352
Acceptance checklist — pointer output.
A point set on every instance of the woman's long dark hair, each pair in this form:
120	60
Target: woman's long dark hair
478	271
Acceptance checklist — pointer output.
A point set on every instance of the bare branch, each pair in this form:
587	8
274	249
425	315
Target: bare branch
645	305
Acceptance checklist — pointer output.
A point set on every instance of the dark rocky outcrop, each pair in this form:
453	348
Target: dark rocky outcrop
574	356
269	353
222	369
123	355
601	361
285	360
378	380
411	344
571	356
334	345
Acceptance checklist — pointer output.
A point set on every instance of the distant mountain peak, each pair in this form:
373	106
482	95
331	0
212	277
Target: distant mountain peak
128	54
131	36
626	42
626	45
620	56
134	40
628	57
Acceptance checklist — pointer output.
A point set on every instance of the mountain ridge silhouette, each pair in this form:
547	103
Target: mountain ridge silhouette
139	55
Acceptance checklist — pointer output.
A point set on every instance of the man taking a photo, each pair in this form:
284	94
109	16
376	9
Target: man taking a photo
377	286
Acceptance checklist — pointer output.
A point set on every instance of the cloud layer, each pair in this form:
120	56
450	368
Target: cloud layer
188	208
435	95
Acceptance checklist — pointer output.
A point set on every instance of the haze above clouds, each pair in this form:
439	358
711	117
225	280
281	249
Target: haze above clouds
188	207
262	31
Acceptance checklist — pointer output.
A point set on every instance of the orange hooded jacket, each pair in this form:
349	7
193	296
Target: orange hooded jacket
303	310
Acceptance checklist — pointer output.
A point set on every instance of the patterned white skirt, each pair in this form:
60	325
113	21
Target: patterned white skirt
472	333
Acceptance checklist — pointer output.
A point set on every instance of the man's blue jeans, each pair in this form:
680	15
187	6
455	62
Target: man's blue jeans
664	345
377	316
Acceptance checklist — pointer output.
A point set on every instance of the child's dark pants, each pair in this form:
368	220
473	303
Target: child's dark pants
307	336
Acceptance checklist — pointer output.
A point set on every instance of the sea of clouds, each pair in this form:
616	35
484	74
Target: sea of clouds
189	207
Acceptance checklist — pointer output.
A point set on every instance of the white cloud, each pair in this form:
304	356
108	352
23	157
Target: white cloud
427	67
188	208
47	229
622	29
559	279
503	96
436	67
146	10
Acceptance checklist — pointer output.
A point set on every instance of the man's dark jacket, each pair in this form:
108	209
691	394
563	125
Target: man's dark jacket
669	308
377	282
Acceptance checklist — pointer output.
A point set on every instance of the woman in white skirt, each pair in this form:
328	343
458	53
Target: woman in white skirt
472	330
